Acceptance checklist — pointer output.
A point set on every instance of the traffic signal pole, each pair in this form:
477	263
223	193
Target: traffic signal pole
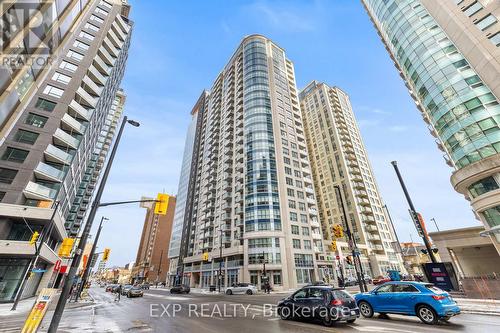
352	245
87	269
70	278
34	260
424	236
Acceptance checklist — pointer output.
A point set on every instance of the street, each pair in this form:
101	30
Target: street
158	311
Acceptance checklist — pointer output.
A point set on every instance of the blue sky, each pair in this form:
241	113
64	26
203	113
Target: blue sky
178	48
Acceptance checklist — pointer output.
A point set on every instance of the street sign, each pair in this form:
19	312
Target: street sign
39	270
38	311
57	265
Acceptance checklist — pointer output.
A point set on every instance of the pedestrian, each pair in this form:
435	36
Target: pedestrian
267	287
118	293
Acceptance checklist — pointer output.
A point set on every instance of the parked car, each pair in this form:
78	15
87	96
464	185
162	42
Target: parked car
135	292
350	281
110	287
180	289
241	288
145	285
368	279
381	279
325	303
423	300
126	288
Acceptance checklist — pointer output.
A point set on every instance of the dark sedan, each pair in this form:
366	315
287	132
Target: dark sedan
325	303
180	289
135	292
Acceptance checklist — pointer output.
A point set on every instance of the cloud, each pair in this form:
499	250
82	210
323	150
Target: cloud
281	16
369	109
398	128
364	123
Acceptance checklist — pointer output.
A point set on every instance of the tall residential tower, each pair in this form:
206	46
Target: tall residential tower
57	121
250	185
338	158
448	53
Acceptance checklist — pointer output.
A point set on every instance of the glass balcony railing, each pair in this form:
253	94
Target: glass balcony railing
49	172
80	110
52	152
73	123
37	191
66	139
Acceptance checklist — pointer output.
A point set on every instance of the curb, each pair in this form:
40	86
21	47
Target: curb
481	313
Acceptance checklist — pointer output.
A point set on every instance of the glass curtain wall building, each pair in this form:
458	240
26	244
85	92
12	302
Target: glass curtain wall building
447	53
253	192
339	158
55	136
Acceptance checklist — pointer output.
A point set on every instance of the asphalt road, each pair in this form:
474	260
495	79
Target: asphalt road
158	311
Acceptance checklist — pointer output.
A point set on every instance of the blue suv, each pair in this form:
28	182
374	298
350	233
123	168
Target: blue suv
423	300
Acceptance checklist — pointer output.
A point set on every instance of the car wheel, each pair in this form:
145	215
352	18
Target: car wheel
366	309
427	314
249	292
285	313
229	292
350	321
328	321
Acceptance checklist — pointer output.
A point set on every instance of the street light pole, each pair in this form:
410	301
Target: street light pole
435	223
412	208
352	245
220	259
68	282
86	270
34	260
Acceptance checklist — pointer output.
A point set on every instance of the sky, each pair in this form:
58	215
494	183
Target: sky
178	48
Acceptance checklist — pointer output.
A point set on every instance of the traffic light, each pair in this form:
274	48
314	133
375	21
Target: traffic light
161	204
105	255
348	259
34	237
333	246
205	256
338	231
66	247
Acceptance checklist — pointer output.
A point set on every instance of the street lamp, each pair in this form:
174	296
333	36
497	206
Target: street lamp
69	280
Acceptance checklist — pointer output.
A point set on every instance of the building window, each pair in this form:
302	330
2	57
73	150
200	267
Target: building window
305	231
293	216
101	11
86	35
7	175
68	66
473	9
53	91
36	120
24	136
495	39
295	230
81	45
277	278
96	19
307	245
492	216
74	55
45	105
483	186
92	27
15	155
296	243
62	78
486	22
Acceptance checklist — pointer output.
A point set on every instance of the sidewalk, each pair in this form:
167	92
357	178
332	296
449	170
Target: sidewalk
479	306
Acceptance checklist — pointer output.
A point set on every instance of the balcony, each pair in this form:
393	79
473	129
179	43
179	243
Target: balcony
96	75
316	235
79	110
91	87
114	39
64	139
118	31
71	124
54	154
101	66
106	56
47	172
39	192
86	97
107	44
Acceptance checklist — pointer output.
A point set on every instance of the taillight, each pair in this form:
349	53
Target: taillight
438	297
336	302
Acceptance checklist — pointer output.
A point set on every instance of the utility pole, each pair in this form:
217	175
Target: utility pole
34	260
86	270
352	245
414	212
159	269
69	280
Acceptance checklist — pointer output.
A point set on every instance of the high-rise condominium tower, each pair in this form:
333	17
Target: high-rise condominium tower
57	121
338	158
249	187
448	53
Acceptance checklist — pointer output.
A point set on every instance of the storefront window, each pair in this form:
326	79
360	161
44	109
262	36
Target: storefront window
11	273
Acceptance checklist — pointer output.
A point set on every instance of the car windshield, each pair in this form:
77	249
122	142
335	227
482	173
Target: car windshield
434	289
341	295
